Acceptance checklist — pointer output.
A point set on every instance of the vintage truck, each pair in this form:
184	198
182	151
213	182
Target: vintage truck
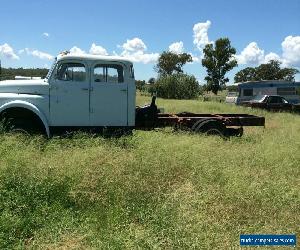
88	91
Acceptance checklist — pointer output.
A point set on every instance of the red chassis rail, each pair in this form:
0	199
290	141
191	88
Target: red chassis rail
149	117
189	119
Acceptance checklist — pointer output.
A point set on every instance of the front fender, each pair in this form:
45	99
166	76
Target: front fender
29	106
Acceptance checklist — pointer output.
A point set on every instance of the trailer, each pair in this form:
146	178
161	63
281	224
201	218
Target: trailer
248	90
225	125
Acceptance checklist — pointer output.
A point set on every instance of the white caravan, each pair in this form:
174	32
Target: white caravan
248	90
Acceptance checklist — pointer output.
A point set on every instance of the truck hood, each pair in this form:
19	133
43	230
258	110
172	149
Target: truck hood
36	87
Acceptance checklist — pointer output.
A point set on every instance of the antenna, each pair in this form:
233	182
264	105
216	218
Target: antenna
0	71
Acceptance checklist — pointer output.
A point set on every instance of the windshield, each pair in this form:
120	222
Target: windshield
259	98
51	70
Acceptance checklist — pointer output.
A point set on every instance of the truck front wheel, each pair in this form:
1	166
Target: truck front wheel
20	120
20	127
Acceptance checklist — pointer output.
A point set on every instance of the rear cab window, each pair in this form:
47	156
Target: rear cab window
108	73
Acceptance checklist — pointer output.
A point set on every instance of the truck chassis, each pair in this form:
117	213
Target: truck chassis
149	117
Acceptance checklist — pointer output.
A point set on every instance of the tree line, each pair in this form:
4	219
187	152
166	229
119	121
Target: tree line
10	73
266	71
218	59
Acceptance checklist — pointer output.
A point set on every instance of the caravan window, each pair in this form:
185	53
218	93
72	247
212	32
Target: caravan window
286	91
248	92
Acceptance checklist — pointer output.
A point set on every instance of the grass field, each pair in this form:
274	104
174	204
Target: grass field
153	190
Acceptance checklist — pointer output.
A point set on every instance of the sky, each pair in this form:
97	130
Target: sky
33	32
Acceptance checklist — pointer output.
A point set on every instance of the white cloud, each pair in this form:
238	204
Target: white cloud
196	58
36	53
252	54
134	50
140	56
45	34
290	57
77	51
98	50
135	44
291	51
200	34
8	52
176	47
271	56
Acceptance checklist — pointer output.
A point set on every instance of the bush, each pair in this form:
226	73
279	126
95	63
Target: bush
177	86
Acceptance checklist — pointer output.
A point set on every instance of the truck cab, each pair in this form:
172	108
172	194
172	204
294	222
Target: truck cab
79	91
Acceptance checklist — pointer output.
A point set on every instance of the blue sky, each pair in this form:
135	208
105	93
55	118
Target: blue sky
33	32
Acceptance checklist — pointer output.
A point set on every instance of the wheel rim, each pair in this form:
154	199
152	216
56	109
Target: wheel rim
214	131
19	131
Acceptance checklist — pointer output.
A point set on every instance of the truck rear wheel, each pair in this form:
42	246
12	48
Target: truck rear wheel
238	132
210	127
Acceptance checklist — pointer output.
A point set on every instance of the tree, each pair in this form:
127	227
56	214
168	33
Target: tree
170	63
218	60
151	80
266	71
140	84
177	86
10	73
288	74
244	75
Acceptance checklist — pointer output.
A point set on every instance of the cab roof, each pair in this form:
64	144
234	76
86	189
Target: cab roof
92	57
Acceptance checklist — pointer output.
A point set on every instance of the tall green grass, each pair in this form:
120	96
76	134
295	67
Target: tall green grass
154	189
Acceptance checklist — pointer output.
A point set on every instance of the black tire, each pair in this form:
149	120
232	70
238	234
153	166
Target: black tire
18	126
210	127
117	132
238	132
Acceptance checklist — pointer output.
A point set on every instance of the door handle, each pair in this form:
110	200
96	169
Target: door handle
123	90
86	89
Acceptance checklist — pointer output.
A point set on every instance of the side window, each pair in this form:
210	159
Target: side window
279	99
284	100
275	99
271	99
110	73
99	74
248	92
113	75
72	72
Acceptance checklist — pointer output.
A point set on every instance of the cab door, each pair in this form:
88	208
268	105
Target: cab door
69	95
108	95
